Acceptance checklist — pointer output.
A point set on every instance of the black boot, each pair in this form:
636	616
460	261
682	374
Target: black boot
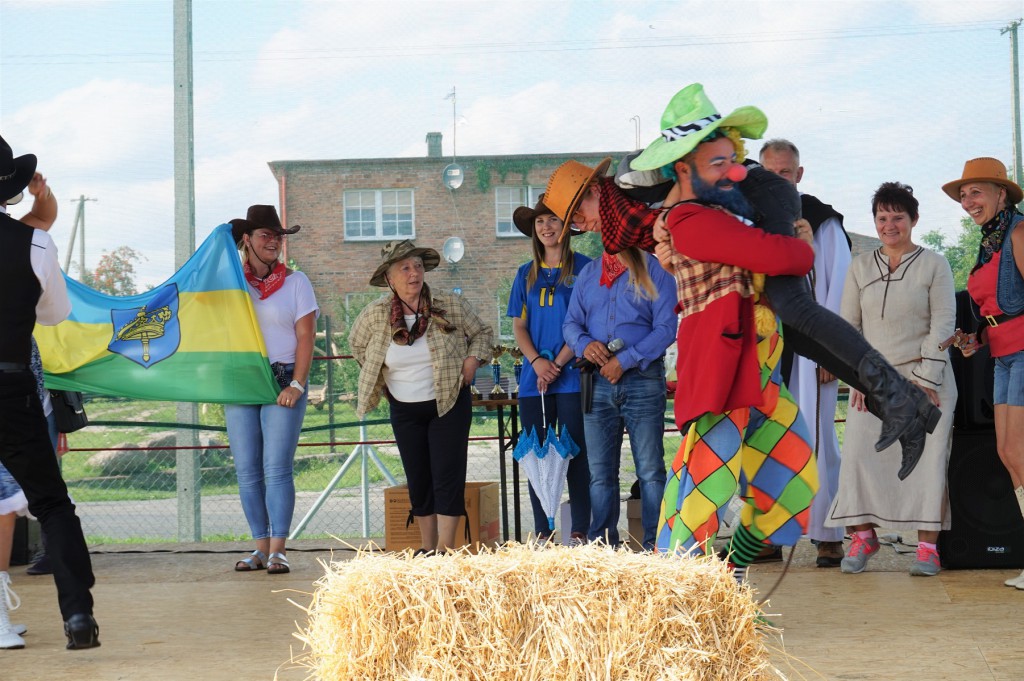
905	410
913	446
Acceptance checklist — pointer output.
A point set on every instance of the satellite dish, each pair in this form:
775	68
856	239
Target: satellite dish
453	250
453	176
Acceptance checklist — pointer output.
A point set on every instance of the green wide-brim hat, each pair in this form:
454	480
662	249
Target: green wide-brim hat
688	119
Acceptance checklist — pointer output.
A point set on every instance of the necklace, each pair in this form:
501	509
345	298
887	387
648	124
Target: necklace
550	282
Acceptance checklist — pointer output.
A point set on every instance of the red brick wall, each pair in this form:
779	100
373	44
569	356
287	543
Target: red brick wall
313	196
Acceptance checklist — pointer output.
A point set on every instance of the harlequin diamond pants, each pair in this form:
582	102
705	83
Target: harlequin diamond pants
762	452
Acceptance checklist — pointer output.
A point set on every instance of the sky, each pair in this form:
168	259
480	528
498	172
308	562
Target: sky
870	91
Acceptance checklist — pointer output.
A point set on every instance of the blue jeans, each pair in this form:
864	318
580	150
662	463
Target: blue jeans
1009	380
263	438
637	402
565	411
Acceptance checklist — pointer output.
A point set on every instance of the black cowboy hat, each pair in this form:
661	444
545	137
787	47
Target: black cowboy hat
524	216
259	217
15	173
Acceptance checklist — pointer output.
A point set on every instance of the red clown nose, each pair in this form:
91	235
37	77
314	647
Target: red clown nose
737	173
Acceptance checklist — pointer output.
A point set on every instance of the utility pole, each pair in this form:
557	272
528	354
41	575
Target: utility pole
79	222
1015	93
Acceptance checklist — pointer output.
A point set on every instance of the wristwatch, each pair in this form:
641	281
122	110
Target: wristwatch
298	386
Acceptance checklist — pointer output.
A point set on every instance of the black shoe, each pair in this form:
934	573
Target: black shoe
913	448
40	567
82	632
904	409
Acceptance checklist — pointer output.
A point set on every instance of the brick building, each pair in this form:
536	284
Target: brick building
349	208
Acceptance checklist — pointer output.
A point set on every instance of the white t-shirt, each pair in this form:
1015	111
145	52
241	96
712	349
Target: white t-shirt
408	372
278	314
53	306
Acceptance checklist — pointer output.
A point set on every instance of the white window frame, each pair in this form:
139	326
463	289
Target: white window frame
379	201
504	206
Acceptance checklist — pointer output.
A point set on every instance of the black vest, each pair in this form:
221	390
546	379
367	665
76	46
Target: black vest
816	212
19	292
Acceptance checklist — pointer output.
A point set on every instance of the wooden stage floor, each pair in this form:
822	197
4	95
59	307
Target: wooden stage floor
188	615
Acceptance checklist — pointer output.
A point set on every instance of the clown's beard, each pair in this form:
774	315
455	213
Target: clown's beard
730	199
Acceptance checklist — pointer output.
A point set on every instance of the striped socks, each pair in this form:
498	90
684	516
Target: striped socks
742	549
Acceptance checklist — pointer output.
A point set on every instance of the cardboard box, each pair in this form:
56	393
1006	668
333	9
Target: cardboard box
481	506
635	534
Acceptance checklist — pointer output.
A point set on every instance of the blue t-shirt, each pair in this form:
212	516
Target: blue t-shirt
543	307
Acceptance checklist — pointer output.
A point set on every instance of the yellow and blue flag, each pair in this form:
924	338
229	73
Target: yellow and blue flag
193	338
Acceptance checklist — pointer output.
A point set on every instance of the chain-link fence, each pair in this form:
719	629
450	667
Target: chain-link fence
122	470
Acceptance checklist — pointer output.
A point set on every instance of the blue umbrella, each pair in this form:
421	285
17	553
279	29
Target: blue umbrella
546	464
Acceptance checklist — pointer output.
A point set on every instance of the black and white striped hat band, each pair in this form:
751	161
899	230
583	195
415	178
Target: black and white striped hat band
678	132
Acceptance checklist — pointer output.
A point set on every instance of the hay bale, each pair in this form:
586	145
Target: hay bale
527	614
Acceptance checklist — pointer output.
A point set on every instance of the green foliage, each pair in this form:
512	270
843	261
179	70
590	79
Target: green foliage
962	254
502	167
115	272
588	244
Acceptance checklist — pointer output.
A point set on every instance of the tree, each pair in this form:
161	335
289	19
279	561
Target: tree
961	255
115	272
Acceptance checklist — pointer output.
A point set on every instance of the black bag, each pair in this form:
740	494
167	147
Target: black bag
68	410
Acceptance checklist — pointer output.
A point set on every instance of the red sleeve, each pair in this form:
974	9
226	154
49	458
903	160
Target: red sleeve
712	235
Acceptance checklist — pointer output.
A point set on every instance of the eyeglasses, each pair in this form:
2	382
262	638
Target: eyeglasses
269	236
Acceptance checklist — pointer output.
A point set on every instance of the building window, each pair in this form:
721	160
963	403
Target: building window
506	200
379	214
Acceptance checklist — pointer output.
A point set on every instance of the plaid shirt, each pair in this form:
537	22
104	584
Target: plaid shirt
624	222
371	337
698	284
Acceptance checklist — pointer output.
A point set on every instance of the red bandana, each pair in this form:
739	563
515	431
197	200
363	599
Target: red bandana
611	269
268	284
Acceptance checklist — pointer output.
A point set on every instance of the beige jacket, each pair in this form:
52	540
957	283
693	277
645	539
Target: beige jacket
371	336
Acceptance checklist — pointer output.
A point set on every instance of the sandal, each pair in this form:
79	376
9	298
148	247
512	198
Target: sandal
256	561
278	564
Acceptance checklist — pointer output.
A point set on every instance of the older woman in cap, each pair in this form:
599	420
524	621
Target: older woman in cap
426	382
537	304
263	437
996	285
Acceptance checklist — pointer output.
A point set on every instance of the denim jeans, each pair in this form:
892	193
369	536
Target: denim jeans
1009	379
263	438
564	410
637	402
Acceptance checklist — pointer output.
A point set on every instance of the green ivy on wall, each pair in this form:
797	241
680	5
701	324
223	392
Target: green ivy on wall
502	168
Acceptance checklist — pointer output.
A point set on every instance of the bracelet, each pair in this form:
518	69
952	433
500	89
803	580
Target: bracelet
534	360
558	366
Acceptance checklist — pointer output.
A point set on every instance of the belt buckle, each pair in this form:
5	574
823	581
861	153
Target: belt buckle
991	320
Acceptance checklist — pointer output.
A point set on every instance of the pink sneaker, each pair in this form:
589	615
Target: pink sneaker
927	563
860	551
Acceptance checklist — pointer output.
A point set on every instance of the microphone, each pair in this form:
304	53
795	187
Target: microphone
614	345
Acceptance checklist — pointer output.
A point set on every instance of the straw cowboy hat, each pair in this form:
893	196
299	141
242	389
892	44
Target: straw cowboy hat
259	217
566	188
688	119
393	251
15	173
984	169
524	216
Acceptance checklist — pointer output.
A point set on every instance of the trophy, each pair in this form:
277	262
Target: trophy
496	352
517	369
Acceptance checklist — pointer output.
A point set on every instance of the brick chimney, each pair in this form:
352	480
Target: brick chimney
433	145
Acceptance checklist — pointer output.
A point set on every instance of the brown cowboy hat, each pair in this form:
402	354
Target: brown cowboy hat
393	251
984	169
259	217
566	187
524	216
15	174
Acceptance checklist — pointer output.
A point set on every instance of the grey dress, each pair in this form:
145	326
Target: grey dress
904	315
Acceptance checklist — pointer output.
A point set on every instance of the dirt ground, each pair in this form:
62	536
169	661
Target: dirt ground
183	613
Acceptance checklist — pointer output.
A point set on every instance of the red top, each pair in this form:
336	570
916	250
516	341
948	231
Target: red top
1007	337
717	369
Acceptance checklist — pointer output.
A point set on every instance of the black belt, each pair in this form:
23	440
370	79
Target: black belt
997	319
11	367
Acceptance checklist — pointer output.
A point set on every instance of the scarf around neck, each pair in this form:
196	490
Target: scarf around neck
268	284
993	233
401	334
611	269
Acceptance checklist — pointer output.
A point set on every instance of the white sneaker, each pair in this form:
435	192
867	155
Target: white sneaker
1015	581
8	601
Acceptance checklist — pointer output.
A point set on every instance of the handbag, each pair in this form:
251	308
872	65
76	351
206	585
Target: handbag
68	410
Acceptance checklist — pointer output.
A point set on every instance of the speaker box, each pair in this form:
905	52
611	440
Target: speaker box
974	376
27	541
986	529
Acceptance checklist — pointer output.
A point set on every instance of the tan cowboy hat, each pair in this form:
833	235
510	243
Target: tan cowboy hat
15	173
524	217
259	217
984	169
566	187
689	118
393	251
